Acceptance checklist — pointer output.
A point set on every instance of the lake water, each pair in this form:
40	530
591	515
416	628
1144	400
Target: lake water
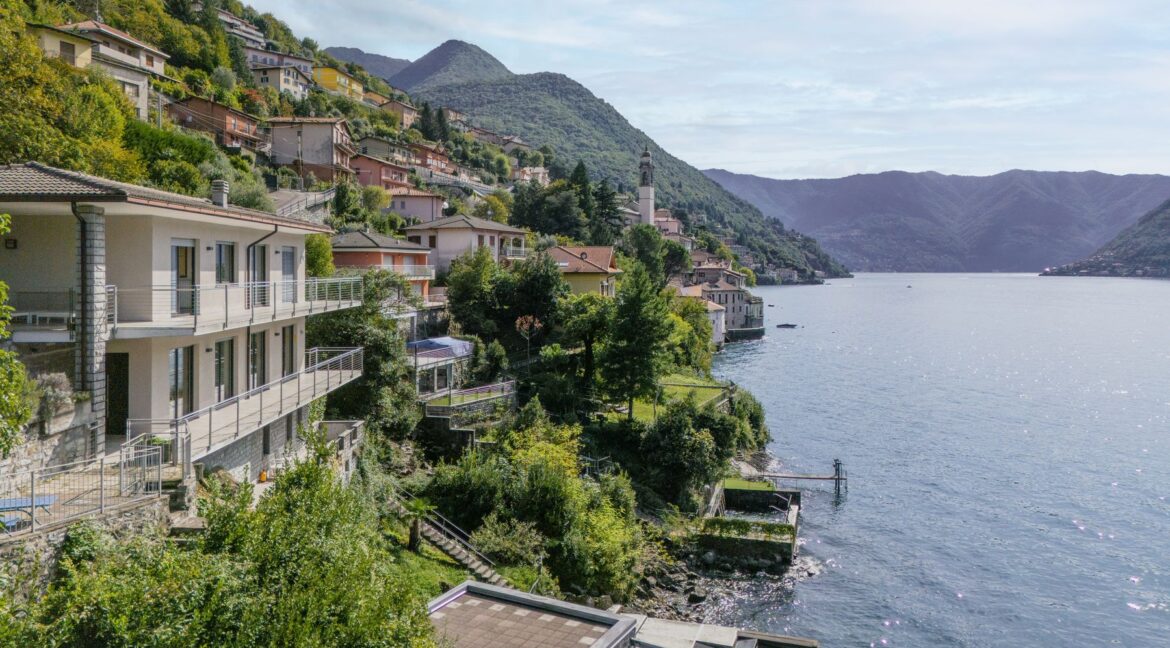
1007	439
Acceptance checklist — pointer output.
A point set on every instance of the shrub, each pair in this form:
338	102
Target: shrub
511	542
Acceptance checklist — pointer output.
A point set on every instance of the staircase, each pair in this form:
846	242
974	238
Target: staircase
451	540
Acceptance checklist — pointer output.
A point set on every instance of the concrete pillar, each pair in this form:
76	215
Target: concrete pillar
92	329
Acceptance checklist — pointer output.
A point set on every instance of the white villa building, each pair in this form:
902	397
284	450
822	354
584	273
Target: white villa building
453	236
181	319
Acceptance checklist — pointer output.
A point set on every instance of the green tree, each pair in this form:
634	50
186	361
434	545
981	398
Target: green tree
15	407
684	457
417	511
471	297
645	244
318	256
586	319
539	287
607	222
635	353
675	258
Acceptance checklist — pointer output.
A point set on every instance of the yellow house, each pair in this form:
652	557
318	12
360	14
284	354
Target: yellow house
71	47
587	269
338	82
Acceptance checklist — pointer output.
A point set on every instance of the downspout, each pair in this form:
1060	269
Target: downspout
83	379
252	245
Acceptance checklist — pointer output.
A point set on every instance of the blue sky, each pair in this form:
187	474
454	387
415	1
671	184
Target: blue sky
825	88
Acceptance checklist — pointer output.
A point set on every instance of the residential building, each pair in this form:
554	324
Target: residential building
451	237
371	250
338	82
283	78
453	115
385	149
129	61
380	173
316	146
262	57
671	228
437	362
716	313
538	175
374	98
485	135
241	29
420	205
587	269
407	114
231	128
71	47
512	143
703	257
430	155
182	318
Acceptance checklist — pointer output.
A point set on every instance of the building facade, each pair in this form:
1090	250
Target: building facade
451	237
407	114
316	146
646	189
283	78
259	57
338	82
372	171
231	128
420	205
587	269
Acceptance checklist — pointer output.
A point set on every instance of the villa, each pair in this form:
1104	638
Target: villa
453	236
587	269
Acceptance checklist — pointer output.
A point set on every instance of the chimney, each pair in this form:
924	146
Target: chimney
219	193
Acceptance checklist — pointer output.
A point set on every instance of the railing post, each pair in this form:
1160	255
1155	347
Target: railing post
102	484
32	492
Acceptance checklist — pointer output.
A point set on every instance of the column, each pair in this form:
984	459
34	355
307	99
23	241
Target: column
92	329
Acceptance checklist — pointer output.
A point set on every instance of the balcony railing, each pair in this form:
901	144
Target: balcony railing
513	252
408	271
445	403
203	307
203	431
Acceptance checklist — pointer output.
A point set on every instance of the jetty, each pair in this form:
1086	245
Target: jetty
839	477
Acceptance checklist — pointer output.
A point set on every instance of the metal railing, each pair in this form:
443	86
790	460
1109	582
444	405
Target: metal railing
443	526
43	309
37	498
206	429
221	305
513	252
467	398
313	199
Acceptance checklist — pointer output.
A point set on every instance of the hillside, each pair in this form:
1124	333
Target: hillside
1140	250
376	64
450	63
929	222
552	109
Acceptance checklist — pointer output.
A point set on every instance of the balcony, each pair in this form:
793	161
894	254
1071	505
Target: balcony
176	310
204	431
436	352
513	251
415	272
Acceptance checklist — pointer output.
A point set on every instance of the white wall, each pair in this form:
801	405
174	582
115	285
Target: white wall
45	254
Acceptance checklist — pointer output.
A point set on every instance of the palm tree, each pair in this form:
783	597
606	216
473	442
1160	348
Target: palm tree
417	510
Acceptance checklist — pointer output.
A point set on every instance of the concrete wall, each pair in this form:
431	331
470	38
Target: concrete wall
245	458
45	258
423	208
453	243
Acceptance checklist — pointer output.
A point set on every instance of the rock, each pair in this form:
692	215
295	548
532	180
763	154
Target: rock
698	595
709	558
651	581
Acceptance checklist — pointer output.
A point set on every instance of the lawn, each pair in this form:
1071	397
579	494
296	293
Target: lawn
676	387
735	483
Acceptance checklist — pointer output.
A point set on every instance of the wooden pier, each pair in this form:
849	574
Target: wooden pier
839	476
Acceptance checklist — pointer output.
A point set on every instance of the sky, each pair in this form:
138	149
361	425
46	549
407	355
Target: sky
825	88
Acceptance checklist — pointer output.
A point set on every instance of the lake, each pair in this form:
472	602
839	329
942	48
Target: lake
1007	439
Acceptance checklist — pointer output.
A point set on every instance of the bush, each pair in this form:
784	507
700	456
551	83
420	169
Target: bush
509	541
178	176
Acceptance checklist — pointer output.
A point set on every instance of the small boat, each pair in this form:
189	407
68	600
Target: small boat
909	286
785	326
771	305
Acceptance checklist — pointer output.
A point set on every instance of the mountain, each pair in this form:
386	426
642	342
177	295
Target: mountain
450	63
929	222
547	108
1140	250
376	64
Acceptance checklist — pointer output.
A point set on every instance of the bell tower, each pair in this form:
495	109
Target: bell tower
646	188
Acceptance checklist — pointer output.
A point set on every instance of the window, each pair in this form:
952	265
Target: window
289	424
431	241
492	241
288	350
225	369
225	263
479	240
149	60
68	53
267	442
180	373
130	89
257	359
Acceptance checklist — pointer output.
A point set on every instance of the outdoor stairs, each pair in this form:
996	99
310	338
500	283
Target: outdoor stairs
454	549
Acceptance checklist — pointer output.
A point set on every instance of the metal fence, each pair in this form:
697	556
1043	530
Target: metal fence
46	496
313	199
466	398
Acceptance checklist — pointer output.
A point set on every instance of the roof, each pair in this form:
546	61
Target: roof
720	285
306	120
61	30
234	111
400	103
477	615
36	182
713	307
282	67
463	221
366	240
410	192
584	259
691	291
440	347
102	28
337	70
381	161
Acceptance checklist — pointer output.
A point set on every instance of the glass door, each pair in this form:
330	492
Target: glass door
288	350
257	360
258	276
225	369
183	277
288	274
180	373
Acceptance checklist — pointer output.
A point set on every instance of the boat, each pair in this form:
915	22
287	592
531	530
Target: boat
785	326
771	305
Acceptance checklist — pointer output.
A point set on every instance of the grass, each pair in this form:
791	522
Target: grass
735	483
676	387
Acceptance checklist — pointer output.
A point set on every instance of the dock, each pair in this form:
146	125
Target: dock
839	477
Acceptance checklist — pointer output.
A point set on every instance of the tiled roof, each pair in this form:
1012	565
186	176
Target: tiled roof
305	120
95	26
36	182
463	221
720	285
410	192
593	259
713	307
356	240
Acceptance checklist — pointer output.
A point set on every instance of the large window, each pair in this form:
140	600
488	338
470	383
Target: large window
225	263
181	376
225	369
257	359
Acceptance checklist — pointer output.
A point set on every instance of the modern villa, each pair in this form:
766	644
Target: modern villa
451	237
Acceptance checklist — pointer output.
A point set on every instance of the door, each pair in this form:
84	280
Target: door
117	392
288	274
258	276
183	276
225	369
181	376
288	350
257	360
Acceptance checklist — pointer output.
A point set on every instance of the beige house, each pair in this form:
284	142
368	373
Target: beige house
587	268
261	57
451	237
386	150
71	47
183	319
317	146
420	205
407	114
283	78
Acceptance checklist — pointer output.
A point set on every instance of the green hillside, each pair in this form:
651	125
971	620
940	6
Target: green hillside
1140	250
452	62
552	109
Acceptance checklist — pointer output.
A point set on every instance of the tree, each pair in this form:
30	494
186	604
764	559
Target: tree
471	296
644	244
375	198
579	180
636	349
684	457
675	258
417	511
492	208
607	223
528	326
585	318
691	342
318	256
15	407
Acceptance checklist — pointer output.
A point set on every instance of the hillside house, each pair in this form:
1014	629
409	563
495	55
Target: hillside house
338	82
372	171
129	61
68	46
385	149
261	57
538	175
241	29
320	147
374	98
231	128
418	204
431	156
182	318
371	250
283	78
451	237
587	269
407	114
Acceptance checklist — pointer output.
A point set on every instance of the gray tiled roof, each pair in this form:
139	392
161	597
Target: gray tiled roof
36	182
460	221
373	239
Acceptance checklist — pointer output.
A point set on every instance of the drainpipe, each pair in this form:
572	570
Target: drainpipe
253	244
83	379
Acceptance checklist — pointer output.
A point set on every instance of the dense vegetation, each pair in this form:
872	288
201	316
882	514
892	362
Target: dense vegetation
1140	250
452	62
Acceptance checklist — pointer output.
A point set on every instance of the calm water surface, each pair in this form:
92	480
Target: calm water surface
1008	443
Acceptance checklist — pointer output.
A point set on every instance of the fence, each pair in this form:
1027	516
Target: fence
47	496
466	398
443	526
313	199
408	271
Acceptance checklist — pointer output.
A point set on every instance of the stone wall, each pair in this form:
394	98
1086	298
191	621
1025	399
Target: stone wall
28	561
70	438
245	457
760	501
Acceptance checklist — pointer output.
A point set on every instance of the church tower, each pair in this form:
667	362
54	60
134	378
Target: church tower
646	189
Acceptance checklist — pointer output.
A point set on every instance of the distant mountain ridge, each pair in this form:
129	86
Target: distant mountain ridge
450	63
1140	250
549	108
376	64
929	222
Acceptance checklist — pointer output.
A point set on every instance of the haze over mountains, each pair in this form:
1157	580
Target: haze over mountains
552	109
1018	221
376	64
